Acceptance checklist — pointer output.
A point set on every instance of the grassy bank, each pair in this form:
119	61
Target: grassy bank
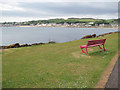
56	65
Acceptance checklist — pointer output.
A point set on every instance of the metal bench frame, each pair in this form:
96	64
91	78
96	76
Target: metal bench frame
93	43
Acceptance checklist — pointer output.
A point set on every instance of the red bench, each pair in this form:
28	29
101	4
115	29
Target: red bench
93	43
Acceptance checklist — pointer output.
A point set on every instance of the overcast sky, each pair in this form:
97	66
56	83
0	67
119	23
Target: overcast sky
34	10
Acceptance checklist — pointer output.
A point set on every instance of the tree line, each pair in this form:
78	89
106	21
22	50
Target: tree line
68	21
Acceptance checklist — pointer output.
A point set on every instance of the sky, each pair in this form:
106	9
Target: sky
21	10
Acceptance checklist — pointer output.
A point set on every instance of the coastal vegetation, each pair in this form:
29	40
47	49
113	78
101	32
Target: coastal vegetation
81	22
58	65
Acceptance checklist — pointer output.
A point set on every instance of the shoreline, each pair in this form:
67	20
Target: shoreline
17	45
66	27
71	27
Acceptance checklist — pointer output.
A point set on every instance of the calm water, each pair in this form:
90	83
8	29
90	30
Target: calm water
29	35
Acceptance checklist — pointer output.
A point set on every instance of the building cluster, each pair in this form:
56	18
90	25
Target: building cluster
90	24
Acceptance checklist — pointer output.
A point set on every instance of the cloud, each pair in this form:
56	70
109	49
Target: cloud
59	1
61	9
10	7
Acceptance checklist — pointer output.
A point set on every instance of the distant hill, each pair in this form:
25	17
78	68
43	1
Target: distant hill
69	21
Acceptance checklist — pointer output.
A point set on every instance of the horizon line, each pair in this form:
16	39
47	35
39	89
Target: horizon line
58	18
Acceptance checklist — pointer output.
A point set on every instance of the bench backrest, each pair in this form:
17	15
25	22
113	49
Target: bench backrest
93	42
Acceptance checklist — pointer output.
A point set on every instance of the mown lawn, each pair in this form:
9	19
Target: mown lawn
59	65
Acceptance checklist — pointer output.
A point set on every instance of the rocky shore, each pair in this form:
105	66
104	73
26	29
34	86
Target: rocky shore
94	35
17	45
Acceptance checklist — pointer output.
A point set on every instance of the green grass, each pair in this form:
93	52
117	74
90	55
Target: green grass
57	65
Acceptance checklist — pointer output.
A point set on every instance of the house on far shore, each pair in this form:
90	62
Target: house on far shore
114	25
91	23
31	24
88	25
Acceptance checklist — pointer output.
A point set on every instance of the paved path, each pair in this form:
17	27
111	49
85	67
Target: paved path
114	79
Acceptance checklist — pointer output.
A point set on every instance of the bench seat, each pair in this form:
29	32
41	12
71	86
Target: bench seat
90	45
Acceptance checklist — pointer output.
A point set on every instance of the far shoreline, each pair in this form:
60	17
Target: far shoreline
71	27
65	27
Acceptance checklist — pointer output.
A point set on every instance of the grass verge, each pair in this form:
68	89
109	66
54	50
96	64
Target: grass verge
59	65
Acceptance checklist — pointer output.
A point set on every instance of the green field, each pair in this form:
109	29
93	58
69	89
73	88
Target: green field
59	65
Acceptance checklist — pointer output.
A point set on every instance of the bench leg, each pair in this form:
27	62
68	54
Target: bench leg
82	51
104	48
100	47
86	51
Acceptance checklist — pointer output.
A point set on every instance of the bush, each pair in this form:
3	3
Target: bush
16	45
51	42
89	36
